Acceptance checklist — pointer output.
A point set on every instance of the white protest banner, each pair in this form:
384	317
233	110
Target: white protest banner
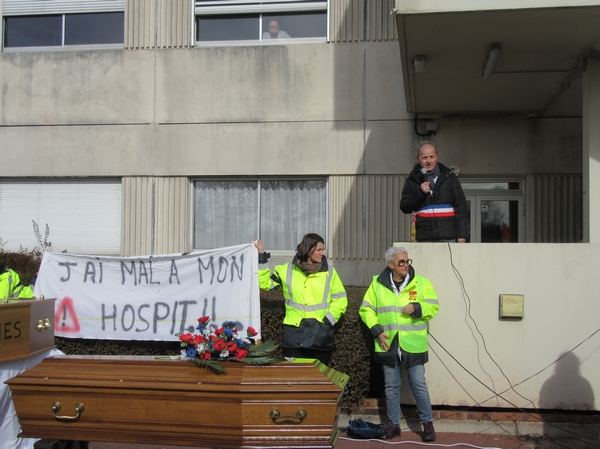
150	297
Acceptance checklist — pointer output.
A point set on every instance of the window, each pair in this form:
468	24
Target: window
64	30
54	24
279	212
496	210
266	21
84	217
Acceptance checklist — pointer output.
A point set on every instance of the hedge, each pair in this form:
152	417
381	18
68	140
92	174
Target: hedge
353	341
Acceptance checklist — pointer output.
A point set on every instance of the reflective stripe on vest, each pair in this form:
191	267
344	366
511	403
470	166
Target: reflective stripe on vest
303	307
17	292
9	292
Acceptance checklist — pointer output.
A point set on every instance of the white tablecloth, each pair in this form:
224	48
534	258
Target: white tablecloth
9	423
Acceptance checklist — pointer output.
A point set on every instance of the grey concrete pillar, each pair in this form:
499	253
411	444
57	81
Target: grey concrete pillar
591	152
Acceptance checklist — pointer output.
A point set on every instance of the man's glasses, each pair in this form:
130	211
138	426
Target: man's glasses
403	262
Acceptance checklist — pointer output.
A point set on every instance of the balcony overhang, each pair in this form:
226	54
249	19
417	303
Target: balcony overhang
543	47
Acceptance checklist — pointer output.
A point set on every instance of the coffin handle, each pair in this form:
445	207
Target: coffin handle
79	408
43	325
275	415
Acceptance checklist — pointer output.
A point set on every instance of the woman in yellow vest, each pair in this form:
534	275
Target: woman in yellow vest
396	308
315	298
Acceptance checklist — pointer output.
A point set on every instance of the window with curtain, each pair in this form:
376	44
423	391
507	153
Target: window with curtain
267	21
279	212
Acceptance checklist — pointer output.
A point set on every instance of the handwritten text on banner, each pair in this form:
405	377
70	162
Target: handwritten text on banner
151	297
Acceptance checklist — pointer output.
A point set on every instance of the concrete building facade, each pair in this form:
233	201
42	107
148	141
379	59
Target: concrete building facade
142	130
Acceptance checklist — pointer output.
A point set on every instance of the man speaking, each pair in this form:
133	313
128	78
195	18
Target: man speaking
434	193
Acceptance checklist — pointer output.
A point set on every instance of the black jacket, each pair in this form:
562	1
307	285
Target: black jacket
447	190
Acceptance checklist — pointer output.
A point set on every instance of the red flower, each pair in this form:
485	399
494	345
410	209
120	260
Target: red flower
241	353
219	331
204	355
197	339
203	320
251	331
219	344
232	346
186	337
212	337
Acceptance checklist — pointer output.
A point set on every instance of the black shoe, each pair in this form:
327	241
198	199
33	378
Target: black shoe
390	432
428	431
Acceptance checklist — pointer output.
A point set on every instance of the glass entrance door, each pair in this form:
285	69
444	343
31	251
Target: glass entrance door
496	219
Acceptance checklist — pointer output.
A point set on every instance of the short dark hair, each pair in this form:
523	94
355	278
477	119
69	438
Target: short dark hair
308	243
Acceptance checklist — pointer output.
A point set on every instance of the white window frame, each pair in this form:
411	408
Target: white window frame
14	8
225	7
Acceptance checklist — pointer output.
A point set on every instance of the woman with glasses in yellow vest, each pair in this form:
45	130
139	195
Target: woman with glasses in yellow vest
396	308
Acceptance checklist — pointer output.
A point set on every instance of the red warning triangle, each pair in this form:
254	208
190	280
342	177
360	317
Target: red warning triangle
65	318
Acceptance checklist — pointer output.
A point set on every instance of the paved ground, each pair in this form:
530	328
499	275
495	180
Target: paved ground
412	440
450	434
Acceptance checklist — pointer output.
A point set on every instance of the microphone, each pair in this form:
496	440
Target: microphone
424	173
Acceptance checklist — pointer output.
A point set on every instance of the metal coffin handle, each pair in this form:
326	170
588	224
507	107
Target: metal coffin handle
43	325
275	415
79	408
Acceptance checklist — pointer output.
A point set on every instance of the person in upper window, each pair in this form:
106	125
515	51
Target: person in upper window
315	298
434	193
10	285
274	32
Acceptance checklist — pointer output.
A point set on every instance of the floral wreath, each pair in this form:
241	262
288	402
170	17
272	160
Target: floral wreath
208	348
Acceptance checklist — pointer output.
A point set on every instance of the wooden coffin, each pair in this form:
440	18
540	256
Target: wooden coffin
26	327
174	402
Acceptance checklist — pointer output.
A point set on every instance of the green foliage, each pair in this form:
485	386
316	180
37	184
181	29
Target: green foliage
25	263
260	361
265	348
211	365
352	355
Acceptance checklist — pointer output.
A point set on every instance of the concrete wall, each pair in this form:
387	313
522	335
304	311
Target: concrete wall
560	291
319	109
329	109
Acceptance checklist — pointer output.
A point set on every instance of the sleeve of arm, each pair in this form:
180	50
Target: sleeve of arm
266	280
411	200
24	291
368	312
429	305
339	299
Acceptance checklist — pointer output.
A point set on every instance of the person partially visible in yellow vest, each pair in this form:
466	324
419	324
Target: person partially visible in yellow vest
396	308
315	298
10	285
